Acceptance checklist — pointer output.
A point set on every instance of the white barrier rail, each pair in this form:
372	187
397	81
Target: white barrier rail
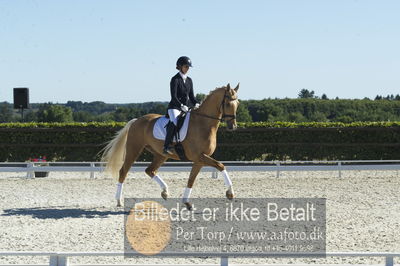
277	166
62	258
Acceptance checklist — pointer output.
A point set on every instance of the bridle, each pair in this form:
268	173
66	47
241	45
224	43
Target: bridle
224	115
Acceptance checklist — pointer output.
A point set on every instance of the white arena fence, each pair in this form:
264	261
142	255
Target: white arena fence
62	258
277	166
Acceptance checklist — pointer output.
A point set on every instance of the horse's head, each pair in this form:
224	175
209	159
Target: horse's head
229	106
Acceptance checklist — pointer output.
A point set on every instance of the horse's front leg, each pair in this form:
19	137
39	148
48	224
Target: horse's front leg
188	190
207	160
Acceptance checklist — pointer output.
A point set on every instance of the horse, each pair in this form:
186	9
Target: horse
122	151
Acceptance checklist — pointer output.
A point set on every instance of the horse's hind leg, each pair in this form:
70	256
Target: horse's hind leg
151	171
133	150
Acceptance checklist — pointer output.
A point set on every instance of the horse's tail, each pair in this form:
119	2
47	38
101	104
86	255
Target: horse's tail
114	151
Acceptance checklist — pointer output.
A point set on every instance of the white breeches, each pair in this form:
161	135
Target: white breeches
173	114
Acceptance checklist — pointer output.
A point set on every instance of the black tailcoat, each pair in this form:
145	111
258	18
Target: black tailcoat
181	92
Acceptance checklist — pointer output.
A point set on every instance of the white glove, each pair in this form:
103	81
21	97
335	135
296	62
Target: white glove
184	108
197	106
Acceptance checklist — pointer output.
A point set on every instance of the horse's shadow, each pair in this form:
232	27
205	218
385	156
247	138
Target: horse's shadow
61	212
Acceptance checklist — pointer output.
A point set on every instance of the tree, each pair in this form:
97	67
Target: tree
296	117
242	114
31	116
104	117
264	110
200	97
49	112
6	113
304	93
324	97
83	116
75	105
158	109
123	114
318	117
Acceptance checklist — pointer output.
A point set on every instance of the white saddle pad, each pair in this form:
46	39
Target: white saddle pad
160	130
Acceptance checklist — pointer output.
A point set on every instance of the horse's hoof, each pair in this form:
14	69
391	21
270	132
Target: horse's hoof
119	203
164	194
229	194
188	206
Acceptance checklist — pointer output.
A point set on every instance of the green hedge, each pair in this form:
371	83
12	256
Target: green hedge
252	141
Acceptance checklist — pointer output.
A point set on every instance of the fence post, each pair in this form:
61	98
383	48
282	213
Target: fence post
53	260
214	174
30	173
278	164
92	174
389	261
340	169
224	261
62	260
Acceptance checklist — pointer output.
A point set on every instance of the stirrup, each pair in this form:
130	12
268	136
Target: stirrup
167	151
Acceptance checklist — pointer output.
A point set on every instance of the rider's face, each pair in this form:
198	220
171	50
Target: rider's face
184	69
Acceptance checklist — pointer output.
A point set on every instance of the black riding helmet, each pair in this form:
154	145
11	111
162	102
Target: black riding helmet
183	60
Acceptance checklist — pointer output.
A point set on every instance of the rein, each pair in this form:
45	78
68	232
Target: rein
222	119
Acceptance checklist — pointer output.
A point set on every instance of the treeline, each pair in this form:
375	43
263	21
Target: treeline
77	111
306	108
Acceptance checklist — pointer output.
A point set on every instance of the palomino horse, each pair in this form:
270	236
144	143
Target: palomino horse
199	144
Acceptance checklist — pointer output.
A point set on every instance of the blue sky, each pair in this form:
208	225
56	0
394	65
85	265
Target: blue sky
125	51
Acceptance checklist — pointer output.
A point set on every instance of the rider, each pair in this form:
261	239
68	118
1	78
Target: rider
181	92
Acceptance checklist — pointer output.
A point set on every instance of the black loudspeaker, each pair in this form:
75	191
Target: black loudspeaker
21	98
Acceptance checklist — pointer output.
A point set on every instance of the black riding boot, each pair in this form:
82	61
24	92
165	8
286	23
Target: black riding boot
168	139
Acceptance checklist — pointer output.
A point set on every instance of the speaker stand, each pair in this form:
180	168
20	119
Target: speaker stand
22	114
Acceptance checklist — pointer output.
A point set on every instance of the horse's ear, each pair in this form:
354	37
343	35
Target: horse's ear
228	87
237	87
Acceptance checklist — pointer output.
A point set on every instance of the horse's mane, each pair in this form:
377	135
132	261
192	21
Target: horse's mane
213	92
